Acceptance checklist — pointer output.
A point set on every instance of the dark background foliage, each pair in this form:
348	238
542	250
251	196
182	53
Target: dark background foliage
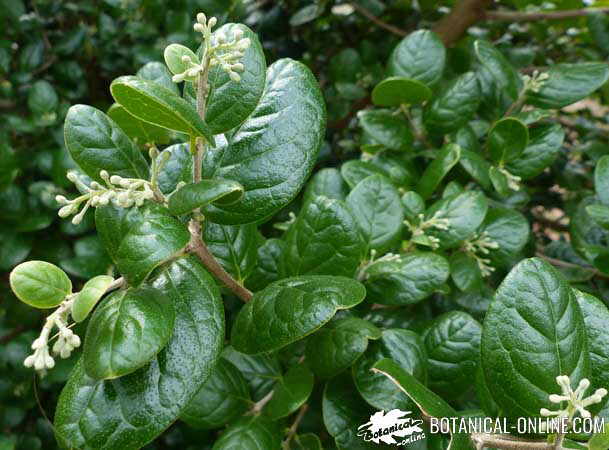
57	53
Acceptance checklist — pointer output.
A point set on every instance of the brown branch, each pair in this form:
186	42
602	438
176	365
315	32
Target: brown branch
463	15
294	427
372	18
198	247
514	16
483	440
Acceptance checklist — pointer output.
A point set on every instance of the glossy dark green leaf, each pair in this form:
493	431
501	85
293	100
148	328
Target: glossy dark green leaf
234	246
263	155
420	56
396	91
325	239
223	398
327	182
385	128
196	195
533	332
90	259
16	246
596	317
42	98
499	181
507	139
343	412
40	284
178	168
290	392
89	295
452	342
337	345
291	309
454	106
464	213
126	331
509	229
155	104
601	179
157	72
544	146
568	83
268	266
438	169
307	441
476	166
97	143
354	171
413	205
407	279
398	167
141	132
464	271
138	239
131	411
403	346
260	371
250	433
375	204
502	72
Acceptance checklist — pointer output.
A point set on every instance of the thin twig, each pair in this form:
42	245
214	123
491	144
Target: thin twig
508	442
513	16
198	247
260	404
372	18
568	265
294	427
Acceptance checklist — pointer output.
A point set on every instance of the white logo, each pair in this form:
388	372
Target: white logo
383	427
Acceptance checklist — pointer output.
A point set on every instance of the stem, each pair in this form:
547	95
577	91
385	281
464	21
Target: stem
508	442
418	133
260	404
463	15
198	247
510	16
294	427
372	18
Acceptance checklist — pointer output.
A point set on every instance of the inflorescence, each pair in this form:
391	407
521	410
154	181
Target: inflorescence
576	403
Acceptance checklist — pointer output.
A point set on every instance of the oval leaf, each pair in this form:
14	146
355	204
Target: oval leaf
195	195
507	139
385	128
40	284
290	392
438	169
543	148
420	56
87	298
396	91
250	433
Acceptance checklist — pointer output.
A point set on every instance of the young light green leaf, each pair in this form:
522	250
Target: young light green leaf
507	139
376	206
534	317
290	392
97	143
385	128
337	345
291	105
291	309
438	169
325	239
91	413
153	103
128	329
223	398
40	284
420	56
174	54
196	195
396	91
90	294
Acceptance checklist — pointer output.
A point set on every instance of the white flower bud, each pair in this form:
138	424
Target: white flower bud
201	18
545	412
115	179
212	22
243	44
238	34
238	67
61	200
178	78
104	174
96	186
72	176
554	398
235	77
199	27
29	361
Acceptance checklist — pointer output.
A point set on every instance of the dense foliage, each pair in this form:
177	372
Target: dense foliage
257	232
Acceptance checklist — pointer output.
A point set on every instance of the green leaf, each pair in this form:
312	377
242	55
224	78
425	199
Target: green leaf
510	230
354	171
90	294
476	166
507	139
343	412
290	392
420	56
601	179
464	213
141	132
268	266
291	309
101	414
464	271
599	213
600	441
568	83
534	318
544	146
223	398
413	205
406	348
178	168
173	55
260	371
324	239
327	182
157	72
196	195
291	105
90	260
499	181
155	104
42	98
454	106
337	345
308	441
505	76
407	279
452	342
385	128
234	246
376	206
40	284
596	317
438	169
127	330
396	91
250	433
97	143
139	239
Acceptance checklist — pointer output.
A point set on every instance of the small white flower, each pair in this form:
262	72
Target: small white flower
575	401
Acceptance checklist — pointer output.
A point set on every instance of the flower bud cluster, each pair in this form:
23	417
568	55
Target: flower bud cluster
575	401
513	181
535	82
481	244
418	230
